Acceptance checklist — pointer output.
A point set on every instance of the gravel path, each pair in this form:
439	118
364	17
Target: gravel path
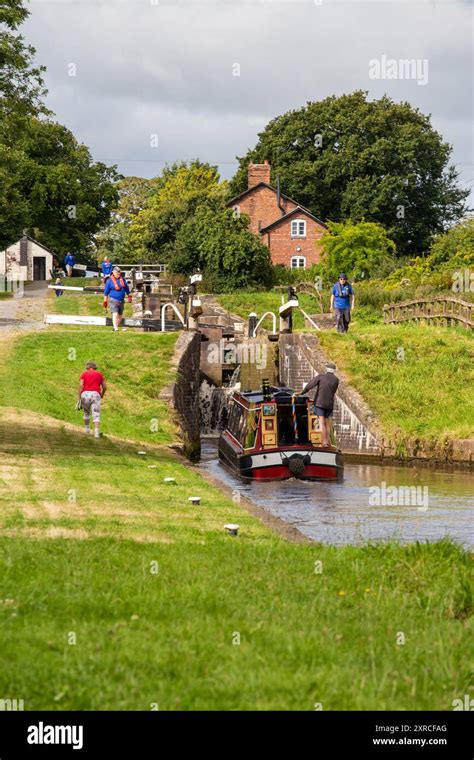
24	312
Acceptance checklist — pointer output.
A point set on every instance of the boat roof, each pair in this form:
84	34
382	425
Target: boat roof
279	394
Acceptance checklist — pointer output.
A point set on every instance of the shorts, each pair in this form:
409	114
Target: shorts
116	306
321	412
91	404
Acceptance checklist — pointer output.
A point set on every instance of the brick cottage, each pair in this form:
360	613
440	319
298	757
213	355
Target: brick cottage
291	232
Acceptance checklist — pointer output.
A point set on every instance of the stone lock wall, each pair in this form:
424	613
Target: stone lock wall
183	395
301	359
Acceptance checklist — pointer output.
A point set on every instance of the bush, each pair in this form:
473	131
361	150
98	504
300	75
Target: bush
361	250
221	245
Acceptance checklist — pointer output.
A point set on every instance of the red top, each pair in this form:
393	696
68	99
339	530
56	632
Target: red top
92	380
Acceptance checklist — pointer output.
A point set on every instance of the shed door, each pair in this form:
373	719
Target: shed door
39	267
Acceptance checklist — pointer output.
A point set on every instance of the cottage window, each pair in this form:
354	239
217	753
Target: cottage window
298	228
298	262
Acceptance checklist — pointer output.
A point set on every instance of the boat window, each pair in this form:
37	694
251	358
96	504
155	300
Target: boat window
252	426
237	421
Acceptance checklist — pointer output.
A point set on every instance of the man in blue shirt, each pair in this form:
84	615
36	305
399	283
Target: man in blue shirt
341	303
116	288
69	262
107	268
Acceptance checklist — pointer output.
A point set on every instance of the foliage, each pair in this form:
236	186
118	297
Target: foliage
361	250
176	194
21	82
48	181
379	161
221	245
455	248
450	254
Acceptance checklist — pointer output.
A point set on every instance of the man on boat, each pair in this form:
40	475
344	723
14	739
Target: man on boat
341	295
324	389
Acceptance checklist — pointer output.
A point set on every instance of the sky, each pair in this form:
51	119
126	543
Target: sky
147	82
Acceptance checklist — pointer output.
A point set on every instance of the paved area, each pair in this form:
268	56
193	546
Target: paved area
26	311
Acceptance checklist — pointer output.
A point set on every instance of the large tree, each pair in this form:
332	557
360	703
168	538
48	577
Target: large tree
21	81
49	183
350	158
220	244
176	195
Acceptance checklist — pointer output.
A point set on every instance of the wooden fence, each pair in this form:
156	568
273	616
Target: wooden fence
445	311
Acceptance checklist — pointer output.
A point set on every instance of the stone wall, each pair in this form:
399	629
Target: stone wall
258	360
300	359
183	394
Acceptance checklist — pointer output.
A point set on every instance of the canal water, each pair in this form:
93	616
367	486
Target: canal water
371	504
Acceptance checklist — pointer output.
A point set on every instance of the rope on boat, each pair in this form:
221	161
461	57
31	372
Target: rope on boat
293	413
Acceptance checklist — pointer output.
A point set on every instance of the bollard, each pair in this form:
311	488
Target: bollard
195	500
252	323
169	480
232	529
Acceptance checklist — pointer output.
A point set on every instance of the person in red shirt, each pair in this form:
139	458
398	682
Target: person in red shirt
92	387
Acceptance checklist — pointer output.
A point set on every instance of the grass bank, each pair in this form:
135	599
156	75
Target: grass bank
77	303
242	303
418	380
47	366
116	593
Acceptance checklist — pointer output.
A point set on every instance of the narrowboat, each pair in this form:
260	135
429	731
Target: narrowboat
273	434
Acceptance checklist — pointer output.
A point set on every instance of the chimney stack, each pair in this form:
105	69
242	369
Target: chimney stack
258	173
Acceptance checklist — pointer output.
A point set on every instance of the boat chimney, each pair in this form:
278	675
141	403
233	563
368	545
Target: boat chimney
266	389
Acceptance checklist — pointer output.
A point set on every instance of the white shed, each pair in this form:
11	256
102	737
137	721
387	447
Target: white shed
26	260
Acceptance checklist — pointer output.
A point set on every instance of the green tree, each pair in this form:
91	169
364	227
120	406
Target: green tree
455	247
361	250
21	82
66	196
48	181
177	193
221	245
114	239
350	158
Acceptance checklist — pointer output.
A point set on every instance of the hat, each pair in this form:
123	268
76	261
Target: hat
330	367
116	269
342	276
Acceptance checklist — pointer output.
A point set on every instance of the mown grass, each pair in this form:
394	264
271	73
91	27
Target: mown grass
242	303
417	379
77	303
172	639
165	608
47	367
116	593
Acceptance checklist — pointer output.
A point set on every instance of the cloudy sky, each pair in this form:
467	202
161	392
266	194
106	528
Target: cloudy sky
205	76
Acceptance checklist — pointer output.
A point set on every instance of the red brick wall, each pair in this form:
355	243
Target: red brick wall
261	206
283	246
258	173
